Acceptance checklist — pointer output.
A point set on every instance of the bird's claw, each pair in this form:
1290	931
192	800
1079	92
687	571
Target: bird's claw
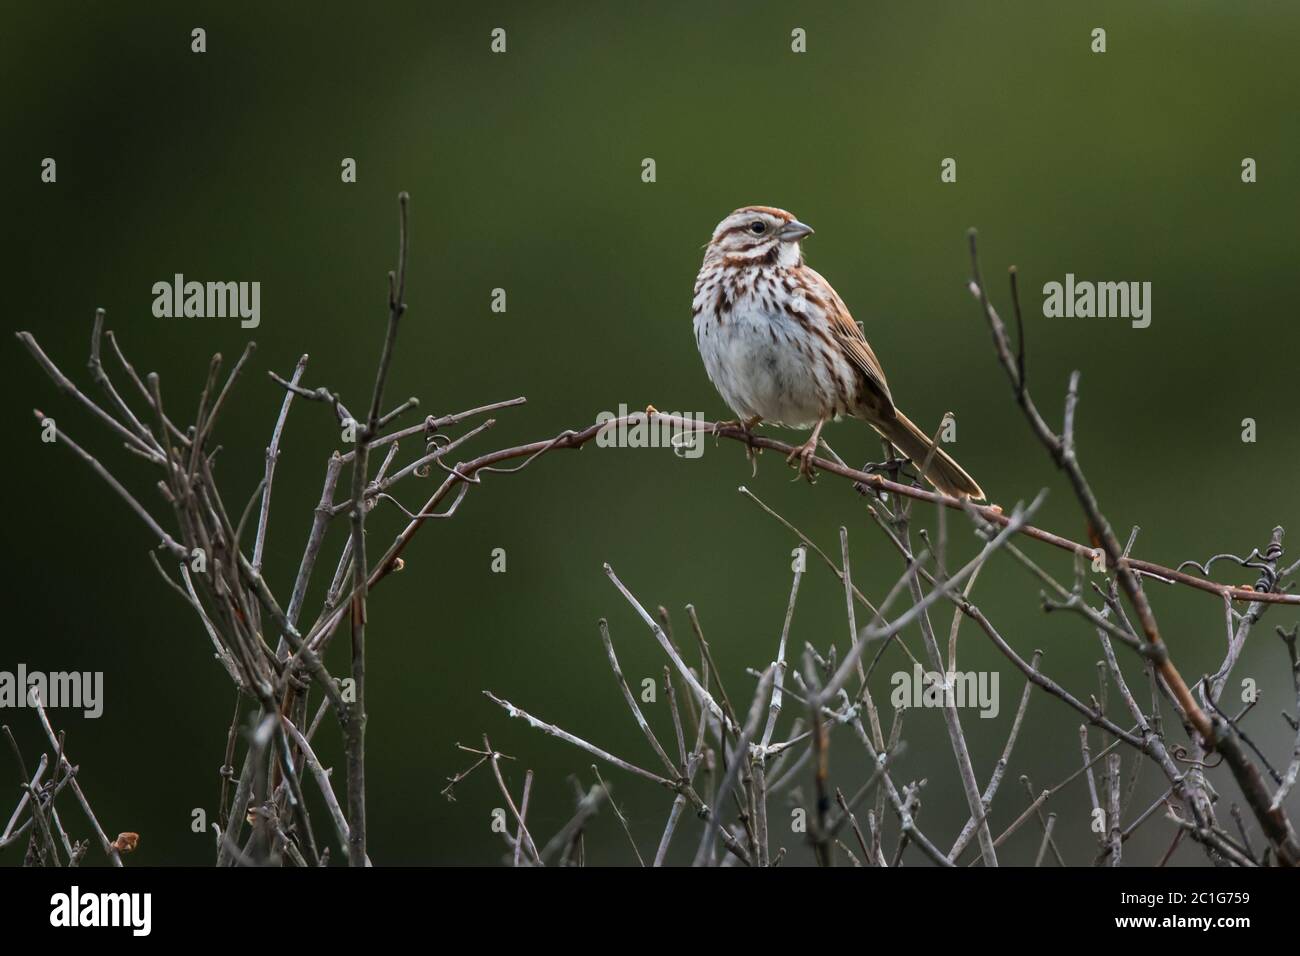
719	426
804	454
752	451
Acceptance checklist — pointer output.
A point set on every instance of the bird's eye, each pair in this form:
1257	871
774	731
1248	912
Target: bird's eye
758	227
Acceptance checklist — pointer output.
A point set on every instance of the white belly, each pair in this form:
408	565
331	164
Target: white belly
752	358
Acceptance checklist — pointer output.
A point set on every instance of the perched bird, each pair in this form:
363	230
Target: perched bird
780	345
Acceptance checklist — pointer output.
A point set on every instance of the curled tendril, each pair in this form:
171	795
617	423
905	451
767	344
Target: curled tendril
1260	561
1179	753
894	469
435	442
425	515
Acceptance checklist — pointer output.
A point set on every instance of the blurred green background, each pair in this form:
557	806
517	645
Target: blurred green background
524	172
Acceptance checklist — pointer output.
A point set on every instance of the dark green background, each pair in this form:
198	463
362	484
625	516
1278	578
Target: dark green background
524	172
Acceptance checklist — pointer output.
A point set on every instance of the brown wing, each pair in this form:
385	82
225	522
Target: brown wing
848	334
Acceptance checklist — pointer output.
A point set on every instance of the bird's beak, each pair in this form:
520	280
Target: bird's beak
794	231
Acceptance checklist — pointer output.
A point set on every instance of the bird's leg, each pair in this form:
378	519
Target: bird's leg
805	453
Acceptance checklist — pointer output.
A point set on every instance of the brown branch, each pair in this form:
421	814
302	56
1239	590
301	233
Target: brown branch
1061	449
356	728
1218	734
471	471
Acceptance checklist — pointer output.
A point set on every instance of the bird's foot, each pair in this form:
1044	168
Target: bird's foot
751	450
801	458
730	423
746	425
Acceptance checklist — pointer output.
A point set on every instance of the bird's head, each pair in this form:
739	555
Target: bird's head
762	235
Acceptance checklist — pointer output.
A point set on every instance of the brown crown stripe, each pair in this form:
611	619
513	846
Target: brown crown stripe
769	210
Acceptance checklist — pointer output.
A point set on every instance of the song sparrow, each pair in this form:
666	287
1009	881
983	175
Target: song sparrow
780	345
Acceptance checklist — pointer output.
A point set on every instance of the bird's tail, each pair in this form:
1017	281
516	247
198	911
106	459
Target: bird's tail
944	473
